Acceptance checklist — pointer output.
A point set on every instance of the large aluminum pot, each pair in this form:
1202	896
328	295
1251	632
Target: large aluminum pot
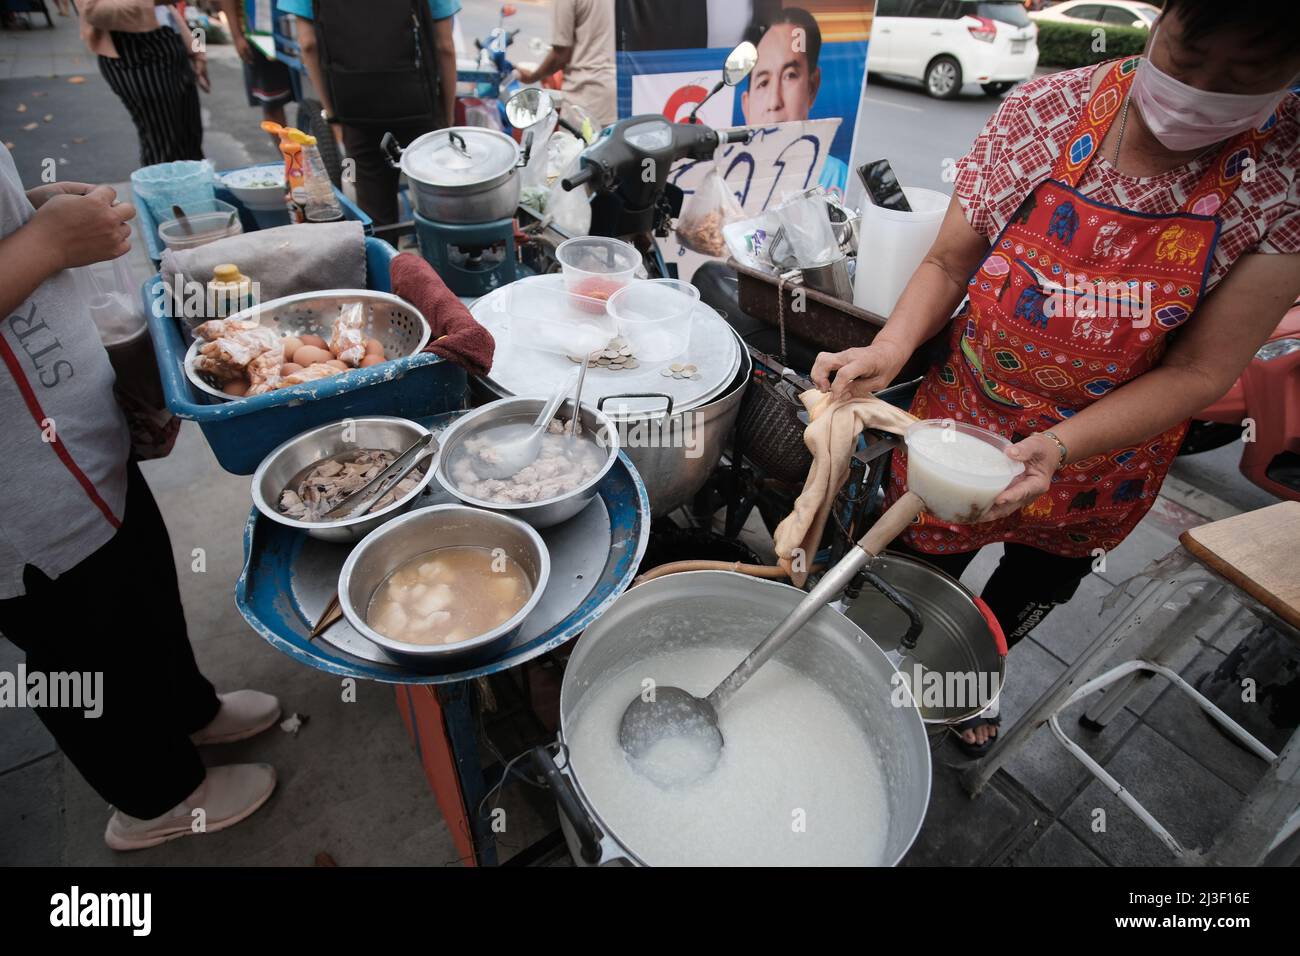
465	174
957	643
691	608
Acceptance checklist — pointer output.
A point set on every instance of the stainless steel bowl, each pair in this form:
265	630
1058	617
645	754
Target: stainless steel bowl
428	529
540	514
351	434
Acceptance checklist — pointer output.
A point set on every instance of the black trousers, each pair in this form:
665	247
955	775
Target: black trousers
119	613
1024	587
154	80
376	178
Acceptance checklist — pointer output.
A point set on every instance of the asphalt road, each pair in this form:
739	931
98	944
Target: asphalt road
89	135
919	135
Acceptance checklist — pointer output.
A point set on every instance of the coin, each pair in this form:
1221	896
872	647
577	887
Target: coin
632	363
676	367
666	372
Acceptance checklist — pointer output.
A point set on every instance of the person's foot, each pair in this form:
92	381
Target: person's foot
977	735
226	796
243	714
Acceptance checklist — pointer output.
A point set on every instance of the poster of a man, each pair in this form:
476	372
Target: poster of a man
783	86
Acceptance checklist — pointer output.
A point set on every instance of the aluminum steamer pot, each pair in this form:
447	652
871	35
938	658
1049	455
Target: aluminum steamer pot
955	642
683	609
466	174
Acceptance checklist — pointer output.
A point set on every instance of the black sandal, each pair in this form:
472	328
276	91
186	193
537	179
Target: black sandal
976	750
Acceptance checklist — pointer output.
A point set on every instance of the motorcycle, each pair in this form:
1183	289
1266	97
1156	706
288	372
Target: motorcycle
627	169
1261	410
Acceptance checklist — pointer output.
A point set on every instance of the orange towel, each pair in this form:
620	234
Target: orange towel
832	437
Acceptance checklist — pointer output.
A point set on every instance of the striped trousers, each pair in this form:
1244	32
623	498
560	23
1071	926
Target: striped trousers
152	76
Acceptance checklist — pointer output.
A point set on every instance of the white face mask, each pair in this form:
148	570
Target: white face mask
1184	118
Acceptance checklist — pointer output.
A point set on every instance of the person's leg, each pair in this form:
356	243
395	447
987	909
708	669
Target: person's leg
376	178
1027	584
118	615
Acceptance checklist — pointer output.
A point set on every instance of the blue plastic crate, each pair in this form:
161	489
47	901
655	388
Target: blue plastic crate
243	432
149	226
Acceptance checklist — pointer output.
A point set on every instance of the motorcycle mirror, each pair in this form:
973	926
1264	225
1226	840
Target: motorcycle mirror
739	63
529	107
509	10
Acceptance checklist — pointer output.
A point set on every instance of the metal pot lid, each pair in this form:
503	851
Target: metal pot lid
520	369
460	156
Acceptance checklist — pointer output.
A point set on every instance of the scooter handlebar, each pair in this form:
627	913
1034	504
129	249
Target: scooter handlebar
583	175
739	135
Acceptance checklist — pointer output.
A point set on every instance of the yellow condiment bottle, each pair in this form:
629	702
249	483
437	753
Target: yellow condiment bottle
229	291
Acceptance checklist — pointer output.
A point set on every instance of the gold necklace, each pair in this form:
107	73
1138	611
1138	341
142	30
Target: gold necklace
1119	140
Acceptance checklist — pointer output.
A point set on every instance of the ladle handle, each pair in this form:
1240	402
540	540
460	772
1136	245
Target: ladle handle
888	527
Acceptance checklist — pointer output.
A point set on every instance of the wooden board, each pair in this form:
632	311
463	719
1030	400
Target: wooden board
1256	552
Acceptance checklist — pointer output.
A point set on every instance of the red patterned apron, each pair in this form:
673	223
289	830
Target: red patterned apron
1073	299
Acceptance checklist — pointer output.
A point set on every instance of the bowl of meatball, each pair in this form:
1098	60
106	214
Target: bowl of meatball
559	484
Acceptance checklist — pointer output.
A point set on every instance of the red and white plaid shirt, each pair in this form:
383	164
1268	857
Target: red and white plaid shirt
1019	146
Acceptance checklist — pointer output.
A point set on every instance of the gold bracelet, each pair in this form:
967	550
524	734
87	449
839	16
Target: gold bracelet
1059	444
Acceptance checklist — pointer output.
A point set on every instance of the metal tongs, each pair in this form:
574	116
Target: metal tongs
364	498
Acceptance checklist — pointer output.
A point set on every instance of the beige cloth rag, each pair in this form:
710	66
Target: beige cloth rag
832	437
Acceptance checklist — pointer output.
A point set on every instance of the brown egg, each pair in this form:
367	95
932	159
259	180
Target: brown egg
315	340
238	387
288	368
310	354
291	344
374	347
373	359
338	364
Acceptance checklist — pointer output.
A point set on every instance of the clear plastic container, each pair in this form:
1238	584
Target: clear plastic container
654	315
184	183
546	317
204	222
597	267
957	469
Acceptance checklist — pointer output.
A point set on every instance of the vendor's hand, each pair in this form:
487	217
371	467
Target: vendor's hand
875	366
525	75
76	230
200	64
39	195
1041	457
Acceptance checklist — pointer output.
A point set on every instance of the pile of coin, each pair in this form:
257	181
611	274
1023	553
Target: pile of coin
616	354
678	370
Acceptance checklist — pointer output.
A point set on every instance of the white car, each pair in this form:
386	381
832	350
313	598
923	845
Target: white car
945	43
1113	13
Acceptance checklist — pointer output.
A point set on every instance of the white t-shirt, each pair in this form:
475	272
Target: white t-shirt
64	442
590	79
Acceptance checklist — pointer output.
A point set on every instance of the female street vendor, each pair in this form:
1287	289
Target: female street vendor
1164	190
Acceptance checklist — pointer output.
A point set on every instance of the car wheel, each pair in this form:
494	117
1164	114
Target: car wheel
995	89
943	78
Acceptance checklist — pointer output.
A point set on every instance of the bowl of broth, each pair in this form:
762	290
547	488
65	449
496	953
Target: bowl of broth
446	585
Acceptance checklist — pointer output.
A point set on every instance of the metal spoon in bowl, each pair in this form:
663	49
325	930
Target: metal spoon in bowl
516	451
674	715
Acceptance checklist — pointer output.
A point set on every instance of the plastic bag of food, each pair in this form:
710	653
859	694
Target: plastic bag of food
712	206
571	210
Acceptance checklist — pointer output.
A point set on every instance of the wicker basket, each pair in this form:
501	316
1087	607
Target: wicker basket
769	430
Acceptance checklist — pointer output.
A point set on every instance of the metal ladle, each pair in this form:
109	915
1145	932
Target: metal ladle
672	713
513	454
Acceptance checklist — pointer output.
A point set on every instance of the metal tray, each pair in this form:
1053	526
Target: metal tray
288	579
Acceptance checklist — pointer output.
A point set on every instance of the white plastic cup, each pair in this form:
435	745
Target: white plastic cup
891	245
595	266
654	315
